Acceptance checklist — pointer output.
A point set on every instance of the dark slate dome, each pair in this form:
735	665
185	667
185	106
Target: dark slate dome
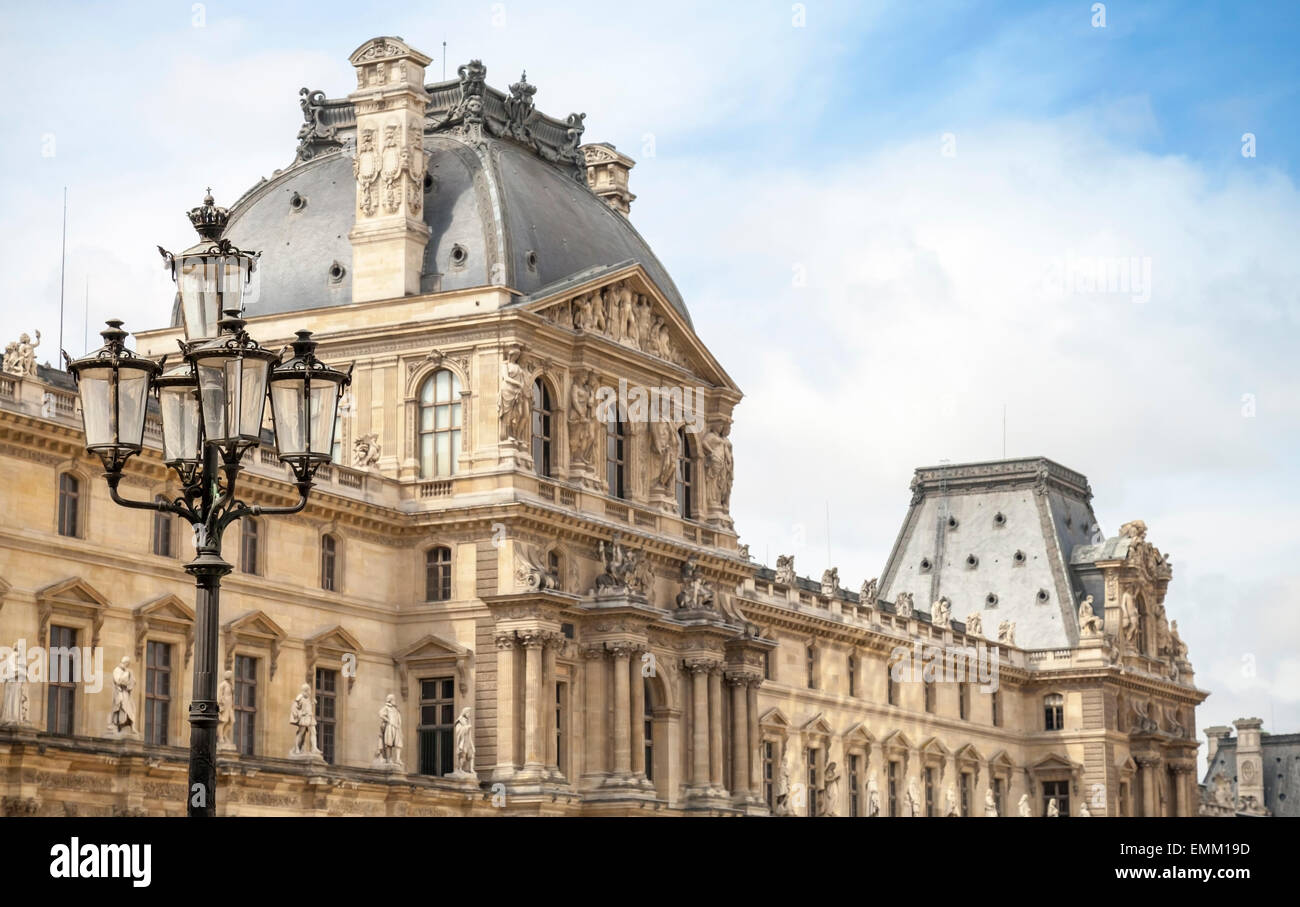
506	206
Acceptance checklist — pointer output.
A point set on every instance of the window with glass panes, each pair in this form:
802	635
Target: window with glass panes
327	711
60	712
963	701
163	533
853	674
69	505
814	787
157	691
1054	712
250	532
440	426
437	726
541	428
649	732
893	788
995	704
810	663
929	791
437	574
245	704
561	699
685	476
615	456
854	760
1060	791
965	793
928	688
769	773
998	793
328	562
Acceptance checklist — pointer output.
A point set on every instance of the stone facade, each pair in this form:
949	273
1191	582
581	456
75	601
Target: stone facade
487	546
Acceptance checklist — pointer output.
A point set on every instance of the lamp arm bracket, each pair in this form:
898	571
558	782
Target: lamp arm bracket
113	478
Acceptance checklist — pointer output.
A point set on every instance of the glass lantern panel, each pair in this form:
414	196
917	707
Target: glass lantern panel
286	407
133	390
200	302
324	400
212	389
252	396
180	419
98	416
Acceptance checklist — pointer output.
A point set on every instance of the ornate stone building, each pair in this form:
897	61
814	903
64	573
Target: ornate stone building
507	595
1253	774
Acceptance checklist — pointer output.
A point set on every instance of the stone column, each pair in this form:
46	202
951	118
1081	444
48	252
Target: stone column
754	738
740	784
715	728
1150	798
507	708
622	712
699	723
638	717
596	744
533	744
547	718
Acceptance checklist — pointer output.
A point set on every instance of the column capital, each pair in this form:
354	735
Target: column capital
698	665
505	640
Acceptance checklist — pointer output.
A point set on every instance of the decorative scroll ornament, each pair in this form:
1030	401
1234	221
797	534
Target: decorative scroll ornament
315	136
531	574
366	168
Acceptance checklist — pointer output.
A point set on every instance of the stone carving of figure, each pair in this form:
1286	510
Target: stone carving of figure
913	799
974	624
952	808
664	443
121	719
513	406
12	362
941	613
830	582
1007	632
785	570
1133	529
391	156
1089	622
1083	810
697	592
1222	791
464	743
365	169
14	701
582	419
27	355
873	798
718	464
1179	647
225	710
867	594
1053	811
1130	620
303	719
530	572
782	807
903	605
830	800
1023	806
1164	641
390	732
990	806
365	451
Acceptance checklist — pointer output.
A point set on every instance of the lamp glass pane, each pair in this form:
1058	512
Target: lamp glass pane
98	416
200	302
133	390
287	410
324	401
212	390
251	407
234	271
180	419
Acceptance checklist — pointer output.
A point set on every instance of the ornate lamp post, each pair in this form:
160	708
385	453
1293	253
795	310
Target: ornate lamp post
212	408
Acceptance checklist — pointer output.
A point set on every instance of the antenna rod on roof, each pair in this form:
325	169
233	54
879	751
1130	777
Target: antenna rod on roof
444	61
1004	431
63	262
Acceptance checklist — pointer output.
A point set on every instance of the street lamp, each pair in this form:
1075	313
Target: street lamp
212	407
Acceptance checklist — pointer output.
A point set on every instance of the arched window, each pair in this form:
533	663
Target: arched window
163	533
69	505
249	549
437	574
685	476
329	554
649	730
615	456
541	428
439	433
1054	712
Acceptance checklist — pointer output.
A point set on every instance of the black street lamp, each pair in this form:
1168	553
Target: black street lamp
212	408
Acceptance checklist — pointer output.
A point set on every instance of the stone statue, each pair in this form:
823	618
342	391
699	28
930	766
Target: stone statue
782	794
303	718
718	464
390	733
626	570
990	806
941	613
1089	622
464	744
1222	790
665	445
867	594
12	363
1007	632
14	703
1130	620
1179	647
952	809
513	405
785	570
830	582
1023	806
1164	640
121	720
1053	811
1133	529
530	572
903	605
873	798
913	799
830	800
697	592
974	624
365	451
20	357
225	710
1083	810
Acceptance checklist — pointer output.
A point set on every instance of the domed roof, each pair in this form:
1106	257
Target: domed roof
506	206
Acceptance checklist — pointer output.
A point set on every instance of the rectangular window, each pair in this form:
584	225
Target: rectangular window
854	759
248	546
891	685
64	668
157	692
615	457
998	794
1054	712
811	657
245	704
327	684
561	698
963	701
328	562
965	793
928	688
769	773
995	703
893	788
929	792
162	534
437	726
69	505
853	674
814	789
1059	791
767	665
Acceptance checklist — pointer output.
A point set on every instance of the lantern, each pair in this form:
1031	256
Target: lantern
114	386
305	396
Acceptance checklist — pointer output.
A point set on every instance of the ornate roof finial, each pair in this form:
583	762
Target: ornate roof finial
208	219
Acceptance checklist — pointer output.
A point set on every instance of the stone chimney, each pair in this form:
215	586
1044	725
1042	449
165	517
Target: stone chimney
390	234
1213	737
1250	761
607	171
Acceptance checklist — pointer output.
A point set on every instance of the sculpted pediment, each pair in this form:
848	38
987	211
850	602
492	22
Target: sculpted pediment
775	718
166	613
255	629
75	598
432	651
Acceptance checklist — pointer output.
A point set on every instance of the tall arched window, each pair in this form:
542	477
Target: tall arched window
439	424
329	559
69	505
685	476
437	574
541	428
616	456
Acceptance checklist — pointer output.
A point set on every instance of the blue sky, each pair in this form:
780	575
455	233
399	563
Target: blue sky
860	212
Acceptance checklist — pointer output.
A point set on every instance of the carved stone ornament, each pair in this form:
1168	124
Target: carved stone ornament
697	592
315	136
903	606
1007	632
365	451
785	570
941	613
627	571
1089	622
302	717
531	574
868	593
621	314
830	582
389	749
121	719
512	405
20	356
974	624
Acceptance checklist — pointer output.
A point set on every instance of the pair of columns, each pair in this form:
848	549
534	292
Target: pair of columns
707	753
615	725
532	756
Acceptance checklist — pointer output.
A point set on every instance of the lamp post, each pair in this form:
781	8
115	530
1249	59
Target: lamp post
212	408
